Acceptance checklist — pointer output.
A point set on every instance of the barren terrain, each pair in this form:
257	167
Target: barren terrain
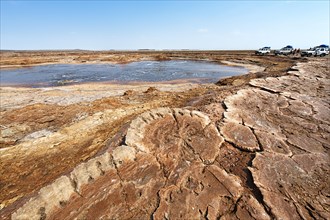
249	147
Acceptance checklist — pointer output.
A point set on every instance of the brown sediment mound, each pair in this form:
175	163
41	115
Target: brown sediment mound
273	66
128	93
255	151
151	90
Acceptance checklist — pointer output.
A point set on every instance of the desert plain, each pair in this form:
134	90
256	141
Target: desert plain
254	146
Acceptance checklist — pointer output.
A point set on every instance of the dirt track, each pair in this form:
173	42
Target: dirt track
46	133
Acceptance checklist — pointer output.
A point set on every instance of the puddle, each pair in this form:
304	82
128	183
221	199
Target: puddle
144	71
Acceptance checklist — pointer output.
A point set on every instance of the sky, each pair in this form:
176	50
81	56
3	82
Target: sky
131	25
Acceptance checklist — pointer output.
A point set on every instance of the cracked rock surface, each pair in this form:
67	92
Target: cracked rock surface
165	169
261	153
288	116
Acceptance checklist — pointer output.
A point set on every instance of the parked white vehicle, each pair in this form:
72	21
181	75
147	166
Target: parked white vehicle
263	51
322	51
284	51
308	53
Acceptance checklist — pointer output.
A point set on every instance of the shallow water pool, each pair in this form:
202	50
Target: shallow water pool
143	71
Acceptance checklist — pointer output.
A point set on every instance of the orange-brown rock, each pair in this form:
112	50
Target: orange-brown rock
167	159
287	115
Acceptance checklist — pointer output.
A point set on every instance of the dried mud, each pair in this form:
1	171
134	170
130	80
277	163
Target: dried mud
250	147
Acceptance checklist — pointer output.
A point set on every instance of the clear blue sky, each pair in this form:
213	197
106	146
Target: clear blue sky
104	25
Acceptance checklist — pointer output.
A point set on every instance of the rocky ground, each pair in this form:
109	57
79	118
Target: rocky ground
251	147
